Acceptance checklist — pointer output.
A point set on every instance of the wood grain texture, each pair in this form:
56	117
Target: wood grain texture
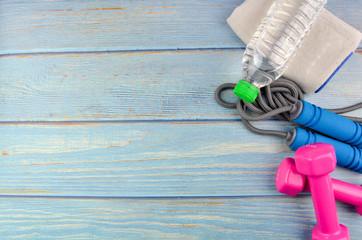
142	159
241	218
138	86
61	25
110	131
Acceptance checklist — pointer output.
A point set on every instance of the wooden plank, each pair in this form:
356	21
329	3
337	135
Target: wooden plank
61	25
142	159
241	218
141	86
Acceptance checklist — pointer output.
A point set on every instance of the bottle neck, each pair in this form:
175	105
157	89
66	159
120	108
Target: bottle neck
258	77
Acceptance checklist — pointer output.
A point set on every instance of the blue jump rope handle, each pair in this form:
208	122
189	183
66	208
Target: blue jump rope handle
347	156
329	123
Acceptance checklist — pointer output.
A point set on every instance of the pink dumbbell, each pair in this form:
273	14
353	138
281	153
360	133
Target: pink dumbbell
289	181
316	161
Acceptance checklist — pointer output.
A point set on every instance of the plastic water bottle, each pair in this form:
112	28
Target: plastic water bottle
274	43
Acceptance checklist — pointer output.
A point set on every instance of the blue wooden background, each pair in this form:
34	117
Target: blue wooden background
109	128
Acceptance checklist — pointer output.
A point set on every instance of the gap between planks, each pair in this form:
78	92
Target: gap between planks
151	197
358	51
121	51
90	122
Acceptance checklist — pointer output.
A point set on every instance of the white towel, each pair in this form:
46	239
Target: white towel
327	46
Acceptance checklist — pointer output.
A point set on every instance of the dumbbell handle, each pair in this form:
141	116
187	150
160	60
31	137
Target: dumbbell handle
345	192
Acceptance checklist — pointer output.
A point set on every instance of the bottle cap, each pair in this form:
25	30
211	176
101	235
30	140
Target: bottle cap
246	91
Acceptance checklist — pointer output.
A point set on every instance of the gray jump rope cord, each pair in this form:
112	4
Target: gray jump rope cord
274	100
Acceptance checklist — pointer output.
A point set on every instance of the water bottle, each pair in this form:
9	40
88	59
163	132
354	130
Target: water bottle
274	44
